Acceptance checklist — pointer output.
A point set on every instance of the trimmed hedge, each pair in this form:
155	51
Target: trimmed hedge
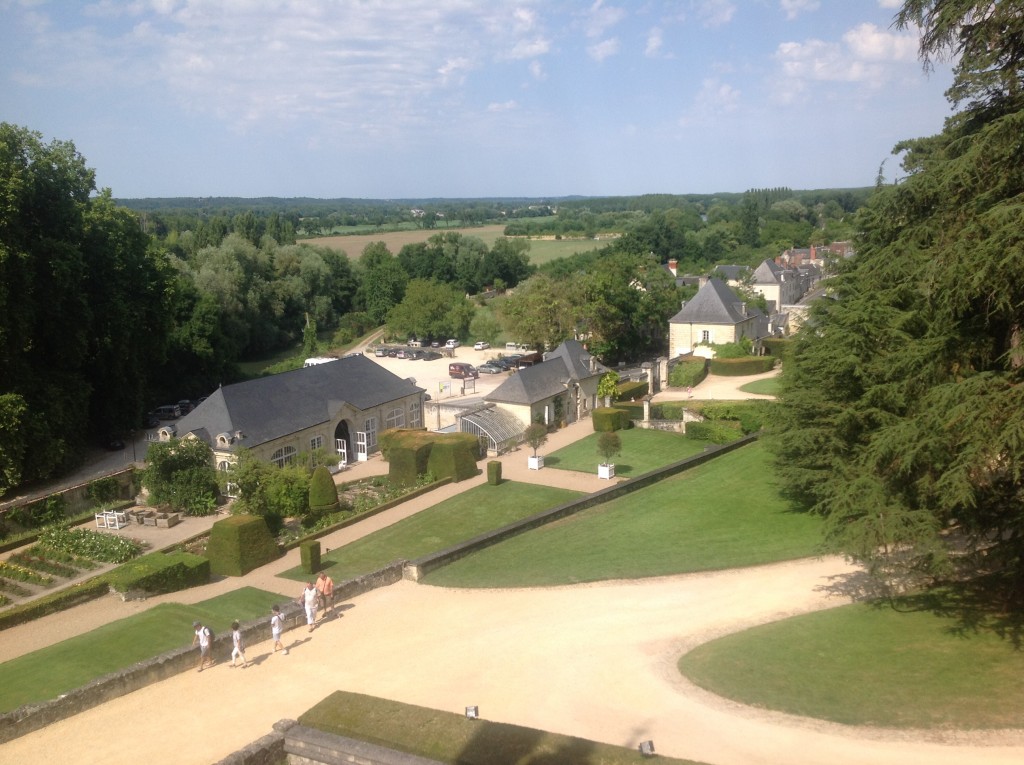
609	418
454	455
688	373
407	453
309	556
240	544
752	365
631	390
161	572
494	473
779	347
82	592
715	431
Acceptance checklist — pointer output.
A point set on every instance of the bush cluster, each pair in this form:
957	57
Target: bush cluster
161	572
628	391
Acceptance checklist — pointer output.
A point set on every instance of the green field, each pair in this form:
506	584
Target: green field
722	514
464	516
642	450
59	668
868	665
769	387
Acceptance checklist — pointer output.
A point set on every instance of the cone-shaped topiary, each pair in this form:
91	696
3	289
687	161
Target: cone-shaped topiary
323	494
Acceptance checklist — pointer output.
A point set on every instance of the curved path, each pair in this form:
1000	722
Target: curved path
596	661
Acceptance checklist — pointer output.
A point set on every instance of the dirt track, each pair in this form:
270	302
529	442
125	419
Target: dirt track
597	661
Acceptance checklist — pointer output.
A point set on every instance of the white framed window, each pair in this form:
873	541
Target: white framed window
414	414
316	442
370	428
283	456
395	418
705	336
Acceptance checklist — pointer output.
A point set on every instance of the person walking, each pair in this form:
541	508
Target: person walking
204	637
276	628
325	586
236	645
310	599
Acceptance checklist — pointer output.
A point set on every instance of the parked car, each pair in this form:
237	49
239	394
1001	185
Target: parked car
435	344
186	406
414	343
168	412
481	345
461	371
380	351
452	343
151	420
414	355
430	355
401	353
490	369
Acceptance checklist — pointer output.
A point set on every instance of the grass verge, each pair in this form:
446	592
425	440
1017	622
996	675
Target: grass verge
868	665
452	738
462	517
59	668
723	514
642	450
769	387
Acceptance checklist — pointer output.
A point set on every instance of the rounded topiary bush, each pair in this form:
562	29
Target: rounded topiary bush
323	494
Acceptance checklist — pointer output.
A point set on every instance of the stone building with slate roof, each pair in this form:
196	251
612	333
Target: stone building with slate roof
340	407
714	315
562	388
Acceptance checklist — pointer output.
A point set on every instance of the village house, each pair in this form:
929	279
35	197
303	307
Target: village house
715	315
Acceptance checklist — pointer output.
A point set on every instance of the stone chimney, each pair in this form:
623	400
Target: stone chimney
673	266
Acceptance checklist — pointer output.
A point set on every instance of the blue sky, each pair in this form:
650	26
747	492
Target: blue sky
468	98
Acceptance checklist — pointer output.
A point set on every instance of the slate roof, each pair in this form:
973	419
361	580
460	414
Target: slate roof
769	272
568	362
576	359
731	273
271	407
714	303
532	384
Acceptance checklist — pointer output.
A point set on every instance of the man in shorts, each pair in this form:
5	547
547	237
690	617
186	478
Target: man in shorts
325	586
276	628
202	637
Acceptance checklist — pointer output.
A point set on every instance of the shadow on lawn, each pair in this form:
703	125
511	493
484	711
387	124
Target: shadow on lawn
992	603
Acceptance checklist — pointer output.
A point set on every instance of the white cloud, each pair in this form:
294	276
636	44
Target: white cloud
654	42
600	18
602	50
866	55
502	107
714	99
866	41
890	3
530	48
715	13
537	70
793	8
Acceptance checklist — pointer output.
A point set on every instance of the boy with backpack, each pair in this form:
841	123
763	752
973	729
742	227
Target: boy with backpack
204	636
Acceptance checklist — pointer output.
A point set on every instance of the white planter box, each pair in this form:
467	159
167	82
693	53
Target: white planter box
536	463
606	471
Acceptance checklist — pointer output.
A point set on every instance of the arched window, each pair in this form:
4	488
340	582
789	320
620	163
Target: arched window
283	456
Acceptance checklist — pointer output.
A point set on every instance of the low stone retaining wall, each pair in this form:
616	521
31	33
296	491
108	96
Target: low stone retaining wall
308	746
417	569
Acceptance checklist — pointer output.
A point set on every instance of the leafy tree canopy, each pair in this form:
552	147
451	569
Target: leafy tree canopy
902	415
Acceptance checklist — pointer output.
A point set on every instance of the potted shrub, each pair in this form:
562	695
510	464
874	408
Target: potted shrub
536	436
608	445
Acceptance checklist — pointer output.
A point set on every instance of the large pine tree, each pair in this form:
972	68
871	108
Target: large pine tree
902	413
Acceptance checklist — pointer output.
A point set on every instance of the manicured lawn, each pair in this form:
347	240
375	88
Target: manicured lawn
453	738
865	665
462	517
56	669
723	514
642	450
769	387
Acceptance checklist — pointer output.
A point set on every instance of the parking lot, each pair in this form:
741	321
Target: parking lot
432	375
